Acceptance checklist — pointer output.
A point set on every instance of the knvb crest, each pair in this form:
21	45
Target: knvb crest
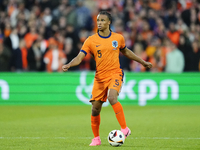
115	45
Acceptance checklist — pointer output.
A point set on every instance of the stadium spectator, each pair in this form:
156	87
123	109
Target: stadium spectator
174	60
138	50
84	18
190	16
34	56
70	51
54	58
105	4
12	42
73	34
173	34
139	39
152	19
128	11
155	4
24	52
7	28
146	32
22	31
185	47
5	56
160	29
30	37
154	43
158	60
169	16
19	14
194	57
181	27
47	17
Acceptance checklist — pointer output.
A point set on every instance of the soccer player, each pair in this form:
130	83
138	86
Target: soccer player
105	47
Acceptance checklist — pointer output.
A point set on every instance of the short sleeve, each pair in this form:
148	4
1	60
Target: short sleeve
86	46
123	44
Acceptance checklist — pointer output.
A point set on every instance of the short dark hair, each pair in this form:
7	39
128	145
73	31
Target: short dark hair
108	15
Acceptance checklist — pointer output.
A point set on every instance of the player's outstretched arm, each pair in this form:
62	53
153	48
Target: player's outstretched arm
75	62
129	54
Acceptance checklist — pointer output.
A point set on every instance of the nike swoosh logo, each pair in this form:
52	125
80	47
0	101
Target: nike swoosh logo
119	111
127	134
97	45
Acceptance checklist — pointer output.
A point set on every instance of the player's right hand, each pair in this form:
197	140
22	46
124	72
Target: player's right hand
65	67
147	65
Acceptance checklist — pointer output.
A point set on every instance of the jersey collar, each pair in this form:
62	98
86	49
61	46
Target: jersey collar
105	37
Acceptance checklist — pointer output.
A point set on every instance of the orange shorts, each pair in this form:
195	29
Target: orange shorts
100	88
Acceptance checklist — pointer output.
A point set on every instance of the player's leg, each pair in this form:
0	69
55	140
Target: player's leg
95	122
118	109
99	95
95	117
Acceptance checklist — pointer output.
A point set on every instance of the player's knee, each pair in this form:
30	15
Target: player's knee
112	99
95	111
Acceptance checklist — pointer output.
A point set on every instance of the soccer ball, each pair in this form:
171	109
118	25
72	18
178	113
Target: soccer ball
116	138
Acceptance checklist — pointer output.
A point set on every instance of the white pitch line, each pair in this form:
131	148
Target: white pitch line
165	138
150	138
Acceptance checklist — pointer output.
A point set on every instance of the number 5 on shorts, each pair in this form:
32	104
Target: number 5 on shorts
116	83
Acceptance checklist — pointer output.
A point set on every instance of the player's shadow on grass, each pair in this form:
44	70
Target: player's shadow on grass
125	146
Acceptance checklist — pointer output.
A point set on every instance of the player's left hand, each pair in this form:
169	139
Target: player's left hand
65	67
147	65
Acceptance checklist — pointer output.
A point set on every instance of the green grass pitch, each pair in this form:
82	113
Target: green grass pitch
68	128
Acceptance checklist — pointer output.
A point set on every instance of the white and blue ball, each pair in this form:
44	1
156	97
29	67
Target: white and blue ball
116	138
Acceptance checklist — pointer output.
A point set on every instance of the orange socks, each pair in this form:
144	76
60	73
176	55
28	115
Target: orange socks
95	122
118	109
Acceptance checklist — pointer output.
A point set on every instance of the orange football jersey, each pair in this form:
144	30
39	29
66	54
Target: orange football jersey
106	53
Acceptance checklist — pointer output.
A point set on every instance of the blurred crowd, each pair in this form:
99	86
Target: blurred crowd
42	35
